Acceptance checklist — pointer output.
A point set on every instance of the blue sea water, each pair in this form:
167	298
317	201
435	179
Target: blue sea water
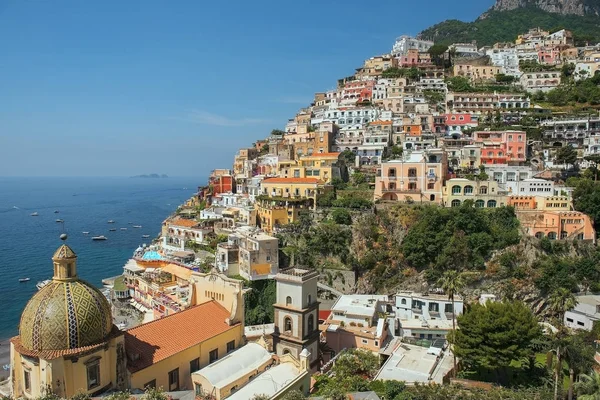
85	204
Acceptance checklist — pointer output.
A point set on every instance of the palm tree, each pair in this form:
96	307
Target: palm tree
588	387
561	301
452	283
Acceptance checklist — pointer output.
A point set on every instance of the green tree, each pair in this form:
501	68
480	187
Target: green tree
277	132
396	151
459	84
594	159
294	395
490	337
586	198
566	155
341	216
502	78
561	300
358	178
348	157
452	284
588	387
154	394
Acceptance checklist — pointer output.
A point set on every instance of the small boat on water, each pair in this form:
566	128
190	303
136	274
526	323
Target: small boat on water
112	230
34	214
145	236
101	237
123	229
85	233
41	284
130	223
24	280
137	226
55	211
111	221
60	220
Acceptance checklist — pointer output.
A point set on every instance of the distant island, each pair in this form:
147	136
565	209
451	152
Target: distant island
154	176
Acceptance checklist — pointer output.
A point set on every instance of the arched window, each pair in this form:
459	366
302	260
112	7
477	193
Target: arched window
309	299
311	323
552	235
288	301
287	323
456	189
479	204
286	351
403	301
491	203
539	235
483	190
468	189
455	203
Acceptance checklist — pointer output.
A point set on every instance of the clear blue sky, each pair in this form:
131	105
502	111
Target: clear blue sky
116	88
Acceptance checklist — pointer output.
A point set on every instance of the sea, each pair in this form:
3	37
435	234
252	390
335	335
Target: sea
27	242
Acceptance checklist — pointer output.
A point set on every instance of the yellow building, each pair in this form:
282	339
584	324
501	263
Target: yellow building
67	343
164	353
284	199
323	166
484	194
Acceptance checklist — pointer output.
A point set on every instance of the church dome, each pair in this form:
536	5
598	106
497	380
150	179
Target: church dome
67	313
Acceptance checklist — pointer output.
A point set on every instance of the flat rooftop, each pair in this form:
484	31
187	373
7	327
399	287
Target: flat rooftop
413	364
430	296
358	304
268	383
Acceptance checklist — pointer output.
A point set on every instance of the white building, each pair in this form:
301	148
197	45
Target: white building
508	176
425	315
585	313
405	43
534	187
432	84
591	145
351	116
505	58
359	309
465	49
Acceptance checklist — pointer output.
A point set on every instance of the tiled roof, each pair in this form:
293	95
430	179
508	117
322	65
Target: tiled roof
292	180
381	123
188	223
165	337
324	155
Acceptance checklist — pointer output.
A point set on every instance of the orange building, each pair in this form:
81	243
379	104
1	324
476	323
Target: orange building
562	225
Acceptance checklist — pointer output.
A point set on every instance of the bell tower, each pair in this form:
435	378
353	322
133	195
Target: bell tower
297	314
65	262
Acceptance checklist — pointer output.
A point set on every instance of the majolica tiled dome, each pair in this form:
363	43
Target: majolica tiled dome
67	313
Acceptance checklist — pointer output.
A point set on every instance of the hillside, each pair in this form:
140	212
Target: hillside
503	26
577	7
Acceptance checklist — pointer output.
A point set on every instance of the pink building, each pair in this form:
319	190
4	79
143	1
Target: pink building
455	123
549	55
502	147
358	91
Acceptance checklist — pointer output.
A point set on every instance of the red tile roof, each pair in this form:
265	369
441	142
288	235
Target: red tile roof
188	223
292	180
324	155
165	337
324	314
381	123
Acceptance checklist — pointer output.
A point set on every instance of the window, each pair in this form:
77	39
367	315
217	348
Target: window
412	172
430	186
287	323
580	323
456	189
231	346
448	308
311	323
569	319
27	380
483	190
403	301
491	203
479	204
468	189
455	203
93	374
365	341
194	365
151	384
174	380
213	356
288	301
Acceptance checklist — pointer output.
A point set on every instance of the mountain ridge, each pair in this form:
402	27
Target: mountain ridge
562	7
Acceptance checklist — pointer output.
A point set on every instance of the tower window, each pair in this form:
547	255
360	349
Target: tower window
288	300
287	323
311	323
27	380
93	375
309	299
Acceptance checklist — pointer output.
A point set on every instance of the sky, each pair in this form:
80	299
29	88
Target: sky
120	88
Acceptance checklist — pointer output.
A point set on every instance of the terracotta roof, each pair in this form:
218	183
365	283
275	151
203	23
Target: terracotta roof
324	155
381	123
324	314
165	337
188	223
292	180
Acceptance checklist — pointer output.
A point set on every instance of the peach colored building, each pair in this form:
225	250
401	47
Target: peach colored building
553	203
562	225
354	323
502	147
418	177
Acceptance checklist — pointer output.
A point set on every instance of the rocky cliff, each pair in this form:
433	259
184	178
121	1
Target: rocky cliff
564	7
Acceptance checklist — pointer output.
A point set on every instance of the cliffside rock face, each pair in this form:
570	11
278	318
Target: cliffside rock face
575	7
